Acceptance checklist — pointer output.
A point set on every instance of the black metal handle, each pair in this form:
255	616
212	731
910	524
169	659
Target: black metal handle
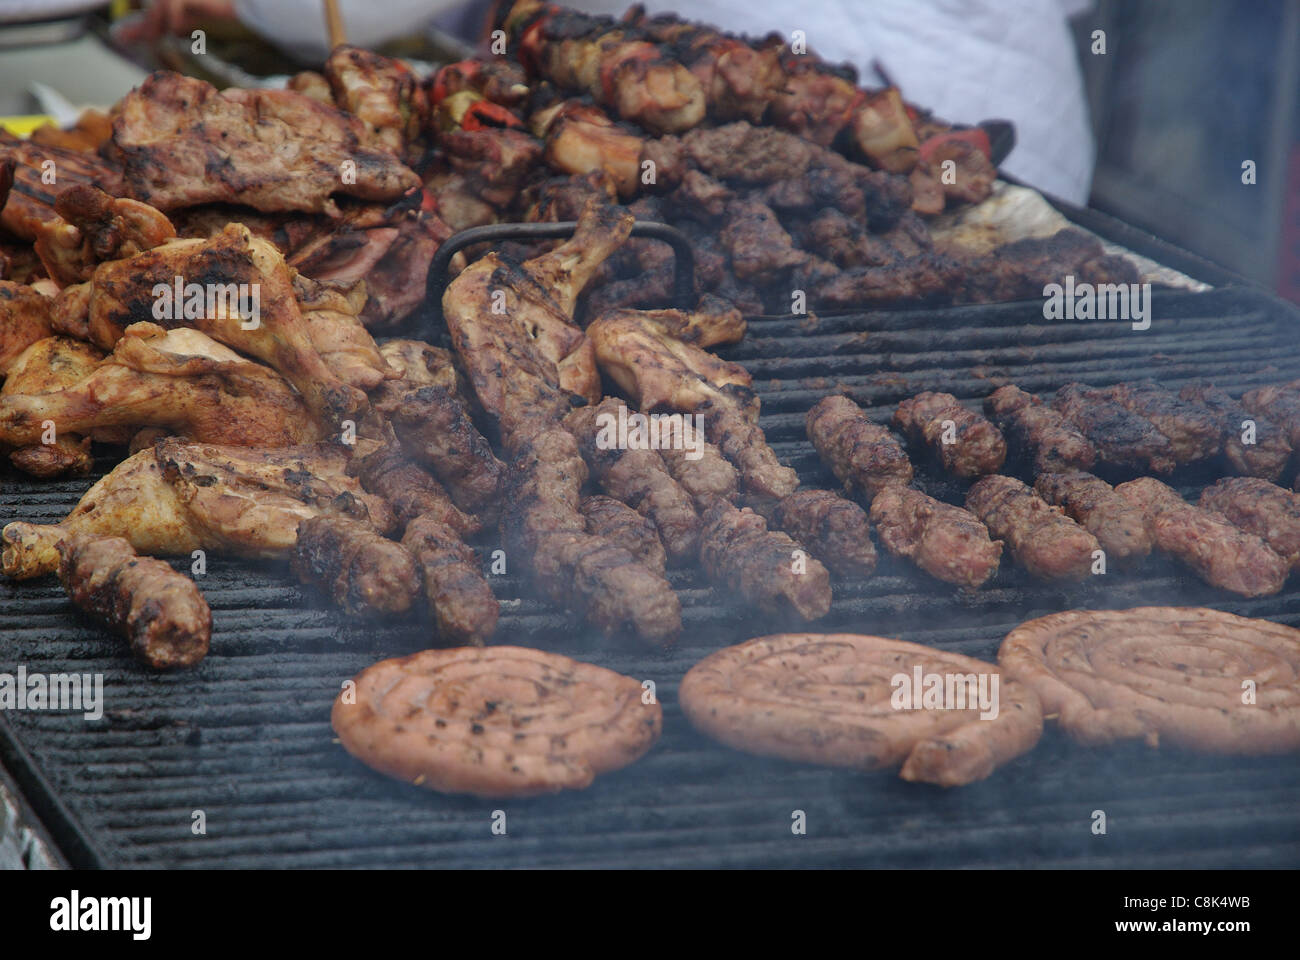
683	254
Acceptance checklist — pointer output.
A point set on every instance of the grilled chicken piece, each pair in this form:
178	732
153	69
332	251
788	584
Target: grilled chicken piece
1122	438
179	379
24	319
182	496
1034	427
639	478
92	227
47	365
1218	552
91	131
766	567
835	529
312	84
714	322
435	428
622	526
863	455
1259	507
1270	452
946	542
1043	540
1193	432
965	443
661	372
1119	527
331	314
364	573
587	574
525	362
122	291
383	93
463	606
31	200
160	612
183	143
709	476
408	488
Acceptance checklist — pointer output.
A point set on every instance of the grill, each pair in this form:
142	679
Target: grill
246	738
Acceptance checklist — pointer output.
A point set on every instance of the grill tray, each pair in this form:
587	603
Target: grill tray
246	736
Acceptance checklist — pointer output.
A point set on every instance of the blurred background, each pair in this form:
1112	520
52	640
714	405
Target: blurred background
1153	130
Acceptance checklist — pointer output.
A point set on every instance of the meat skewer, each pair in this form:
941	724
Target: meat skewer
764	566
463	607
1034	427
161	612
1121	437
1118	525
1270	452
1218	552
1043	540
362	572
1193	432
622	526
1259	507
946	542
965	442
835	529
863	455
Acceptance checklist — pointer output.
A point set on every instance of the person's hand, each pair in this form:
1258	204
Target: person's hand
176	17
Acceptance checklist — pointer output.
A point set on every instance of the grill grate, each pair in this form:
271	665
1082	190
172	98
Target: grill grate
246	736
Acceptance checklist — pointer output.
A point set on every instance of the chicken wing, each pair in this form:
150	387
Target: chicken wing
48	365
92	227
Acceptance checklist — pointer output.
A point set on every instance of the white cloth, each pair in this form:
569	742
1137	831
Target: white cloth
967	60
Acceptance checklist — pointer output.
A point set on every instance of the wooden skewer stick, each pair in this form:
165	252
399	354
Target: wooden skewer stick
334	23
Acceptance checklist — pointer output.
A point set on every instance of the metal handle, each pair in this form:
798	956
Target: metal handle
683	254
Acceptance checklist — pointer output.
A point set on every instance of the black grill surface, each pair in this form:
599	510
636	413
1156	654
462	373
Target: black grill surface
246	737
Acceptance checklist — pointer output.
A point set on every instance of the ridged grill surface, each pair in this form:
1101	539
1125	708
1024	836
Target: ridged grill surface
246	737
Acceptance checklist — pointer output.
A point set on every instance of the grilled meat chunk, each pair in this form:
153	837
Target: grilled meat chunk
587	574
1019	270
24	319
946	542
622	526
925	277
865	456
759	246
835	530
965	442
526	362
381	92
1056	444
160	612
179	379
1259	507
1119	527
1270	452
409	489
1043	540
31	201
463	606
639	478
737	551
361	571
1122	438
331	313
183	143
1281	403
435	428
48	365
1193	432
1218	552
